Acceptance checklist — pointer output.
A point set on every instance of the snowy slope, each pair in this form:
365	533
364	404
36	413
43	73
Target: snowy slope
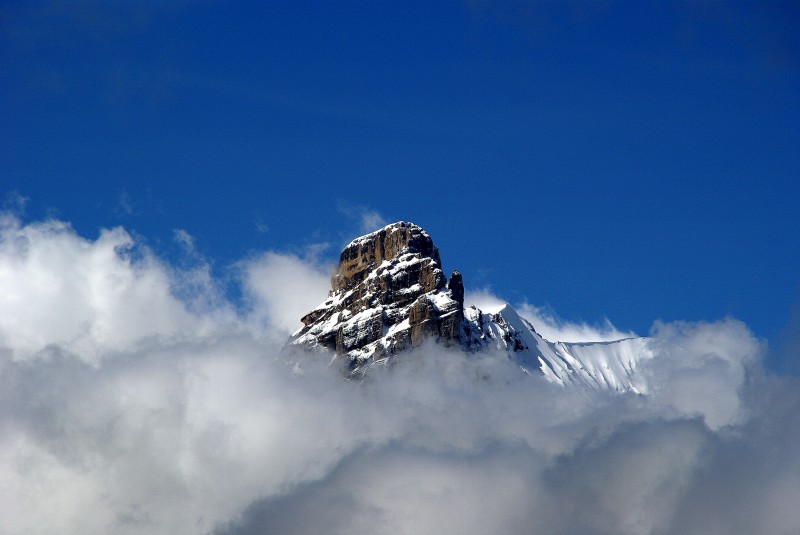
597	365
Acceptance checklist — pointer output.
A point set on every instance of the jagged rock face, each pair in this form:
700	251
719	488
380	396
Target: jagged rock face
388	293
364	254
456	287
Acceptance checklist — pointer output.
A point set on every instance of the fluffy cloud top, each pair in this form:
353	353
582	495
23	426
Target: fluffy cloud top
282	288
134	399
91	298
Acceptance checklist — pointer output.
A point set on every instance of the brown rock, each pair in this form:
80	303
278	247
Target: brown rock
387	293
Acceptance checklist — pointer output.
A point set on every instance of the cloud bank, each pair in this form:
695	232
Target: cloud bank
134	398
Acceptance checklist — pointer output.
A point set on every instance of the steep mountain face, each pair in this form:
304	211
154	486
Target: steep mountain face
389	294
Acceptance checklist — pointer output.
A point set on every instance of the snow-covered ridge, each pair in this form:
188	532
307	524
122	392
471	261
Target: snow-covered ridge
597	365
389	294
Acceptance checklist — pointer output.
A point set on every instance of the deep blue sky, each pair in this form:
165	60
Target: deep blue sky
629	160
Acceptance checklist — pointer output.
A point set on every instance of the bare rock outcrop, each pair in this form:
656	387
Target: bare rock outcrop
387	294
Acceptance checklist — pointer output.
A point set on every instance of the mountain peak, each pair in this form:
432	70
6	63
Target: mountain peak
388	294
367	252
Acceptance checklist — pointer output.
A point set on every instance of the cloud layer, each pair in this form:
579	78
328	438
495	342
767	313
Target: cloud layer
135	399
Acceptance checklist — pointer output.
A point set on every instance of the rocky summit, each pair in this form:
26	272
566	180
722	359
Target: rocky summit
389	294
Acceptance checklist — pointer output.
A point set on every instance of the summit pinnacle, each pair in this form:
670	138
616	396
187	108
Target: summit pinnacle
388	293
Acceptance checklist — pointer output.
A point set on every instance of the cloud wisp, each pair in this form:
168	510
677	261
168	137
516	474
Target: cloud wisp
125	408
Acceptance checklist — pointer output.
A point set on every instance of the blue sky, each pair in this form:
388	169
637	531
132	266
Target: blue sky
633	161
177	179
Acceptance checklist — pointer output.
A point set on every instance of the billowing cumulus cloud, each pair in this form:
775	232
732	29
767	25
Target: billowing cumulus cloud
88	297
282	288
135	399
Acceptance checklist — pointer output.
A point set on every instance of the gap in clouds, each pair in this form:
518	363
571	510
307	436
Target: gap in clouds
135	398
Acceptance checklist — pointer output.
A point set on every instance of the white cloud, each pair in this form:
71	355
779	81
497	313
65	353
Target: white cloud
553	328
125	409
260	225
700	368
124	204
546	322
368	219
484	299
185	240
15	203
88	297
284	287
371	220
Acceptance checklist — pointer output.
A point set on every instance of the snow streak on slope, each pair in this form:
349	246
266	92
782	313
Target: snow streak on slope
596	365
